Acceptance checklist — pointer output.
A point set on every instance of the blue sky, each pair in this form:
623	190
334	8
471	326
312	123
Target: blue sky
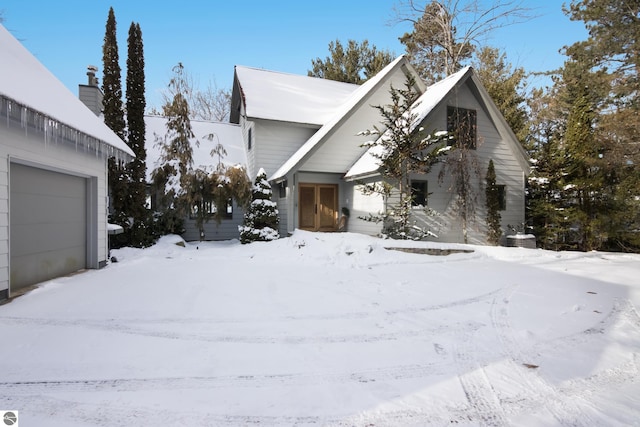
209	37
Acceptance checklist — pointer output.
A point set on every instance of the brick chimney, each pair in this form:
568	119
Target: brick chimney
90	94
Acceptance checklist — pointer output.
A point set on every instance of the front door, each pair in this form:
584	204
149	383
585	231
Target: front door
318	207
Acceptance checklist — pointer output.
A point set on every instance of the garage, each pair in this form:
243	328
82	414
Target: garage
48	224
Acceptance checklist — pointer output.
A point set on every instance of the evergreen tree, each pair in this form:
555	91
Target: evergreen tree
172	180
402	148
544	205
494	232
610	55
261	217
355	64
446	33
140	233
114	116
505	85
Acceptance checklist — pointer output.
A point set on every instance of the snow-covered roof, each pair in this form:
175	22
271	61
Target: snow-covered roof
338	115
288	97
229	135
368	164
25	80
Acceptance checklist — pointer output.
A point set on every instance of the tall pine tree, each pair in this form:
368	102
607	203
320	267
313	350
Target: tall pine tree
402	148
114	116
355	64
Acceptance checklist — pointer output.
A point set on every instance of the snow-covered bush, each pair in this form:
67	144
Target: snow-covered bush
261	217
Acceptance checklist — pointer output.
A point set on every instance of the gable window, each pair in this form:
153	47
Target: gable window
461	124
420	193
249	138
502	197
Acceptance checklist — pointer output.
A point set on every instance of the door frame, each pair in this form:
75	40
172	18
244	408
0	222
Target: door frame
318	206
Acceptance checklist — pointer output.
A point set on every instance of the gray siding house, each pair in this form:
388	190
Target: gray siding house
53	175
304	132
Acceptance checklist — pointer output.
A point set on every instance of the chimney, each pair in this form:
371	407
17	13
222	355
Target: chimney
90	94
91	72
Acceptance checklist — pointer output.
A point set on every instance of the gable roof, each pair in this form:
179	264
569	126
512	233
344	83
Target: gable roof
339	115
228	134
286	97
367	165
24	80
435	94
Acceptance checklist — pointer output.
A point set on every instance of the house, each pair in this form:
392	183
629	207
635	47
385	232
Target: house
306	133
53	176
207	135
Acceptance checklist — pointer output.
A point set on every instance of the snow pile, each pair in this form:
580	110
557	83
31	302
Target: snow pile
328	329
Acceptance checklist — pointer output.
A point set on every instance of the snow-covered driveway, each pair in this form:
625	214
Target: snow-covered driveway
328	329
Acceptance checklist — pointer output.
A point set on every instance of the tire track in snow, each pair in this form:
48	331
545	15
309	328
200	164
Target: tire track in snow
477	388
621	312
391	373
213	321
108	414
282	338
564	410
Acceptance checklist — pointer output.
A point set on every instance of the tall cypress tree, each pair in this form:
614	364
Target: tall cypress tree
140	233
113	114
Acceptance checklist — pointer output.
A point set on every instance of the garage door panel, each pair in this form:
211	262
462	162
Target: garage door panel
35	268
47	224
29	209
45	237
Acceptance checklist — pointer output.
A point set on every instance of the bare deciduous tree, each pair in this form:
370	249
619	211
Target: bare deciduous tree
210	104
447	32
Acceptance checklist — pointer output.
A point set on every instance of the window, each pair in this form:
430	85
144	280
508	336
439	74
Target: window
461	124
249	138
209	208
502	197
420	193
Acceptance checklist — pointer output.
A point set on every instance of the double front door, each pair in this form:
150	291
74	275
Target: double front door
318	207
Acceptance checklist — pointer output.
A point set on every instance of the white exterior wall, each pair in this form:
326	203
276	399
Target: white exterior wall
360	206
446	224
274	143
340	149
28	147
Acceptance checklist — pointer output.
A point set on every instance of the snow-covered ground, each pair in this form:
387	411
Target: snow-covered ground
328	329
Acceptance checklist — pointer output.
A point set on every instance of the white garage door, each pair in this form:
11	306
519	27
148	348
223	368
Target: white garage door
48	225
